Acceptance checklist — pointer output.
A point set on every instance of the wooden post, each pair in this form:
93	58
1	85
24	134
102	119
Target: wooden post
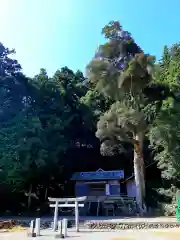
55	216
65	227
76	215
37	227
98	205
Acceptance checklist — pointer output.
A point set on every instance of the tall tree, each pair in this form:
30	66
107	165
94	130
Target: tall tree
164	133
124	73
8	66
13	85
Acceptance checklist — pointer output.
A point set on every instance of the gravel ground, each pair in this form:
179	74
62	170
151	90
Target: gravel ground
113	219
155	234
86	235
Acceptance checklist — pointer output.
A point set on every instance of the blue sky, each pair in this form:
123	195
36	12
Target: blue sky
55	33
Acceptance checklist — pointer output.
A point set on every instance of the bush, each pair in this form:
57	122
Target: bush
169	210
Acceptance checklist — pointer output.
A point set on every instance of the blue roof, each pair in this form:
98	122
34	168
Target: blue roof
98	175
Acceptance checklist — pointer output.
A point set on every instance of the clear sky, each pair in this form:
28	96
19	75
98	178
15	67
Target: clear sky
55	33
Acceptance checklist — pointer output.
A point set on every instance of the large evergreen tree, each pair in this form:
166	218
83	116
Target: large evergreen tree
124	73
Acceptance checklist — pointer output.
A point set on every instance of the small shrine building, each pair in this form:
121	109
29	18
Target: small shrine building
103	183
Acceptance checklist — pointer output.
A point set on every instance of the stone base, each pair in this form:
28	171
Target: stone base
59	236
31	234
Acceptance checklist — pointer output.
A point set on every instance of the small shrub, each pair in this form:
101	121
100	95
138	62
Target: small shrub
169	210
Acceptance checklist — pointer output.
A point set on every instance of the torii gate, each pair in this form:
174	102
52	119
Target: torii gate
67	203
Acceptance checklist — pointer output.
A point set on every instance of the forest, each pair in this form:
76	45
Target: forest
122	112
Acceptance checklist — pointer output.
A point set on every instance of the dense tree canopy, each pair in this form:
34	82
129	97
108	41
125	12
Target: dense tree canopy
164	133
123	114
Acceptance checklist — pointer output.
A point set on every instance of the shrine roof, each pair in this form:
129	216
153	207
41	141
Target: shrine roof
100	174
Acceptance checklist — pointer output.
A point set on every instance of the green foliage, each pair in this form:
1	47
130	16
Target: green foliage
8	66
121	122
169	210
164	133
137	88
126	86
47	122
37	128
111	58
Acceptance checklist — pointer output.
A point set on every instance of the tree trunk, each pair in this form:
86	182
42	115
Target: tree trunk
29	197
46	192
139	175
141	139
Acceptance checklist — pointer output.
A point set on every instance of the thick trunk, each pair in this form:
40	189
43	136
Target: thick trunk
140	138
139	175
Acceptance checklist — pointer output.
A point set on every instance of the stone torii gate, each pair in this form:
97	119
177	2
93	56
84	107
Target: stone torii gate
67	203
